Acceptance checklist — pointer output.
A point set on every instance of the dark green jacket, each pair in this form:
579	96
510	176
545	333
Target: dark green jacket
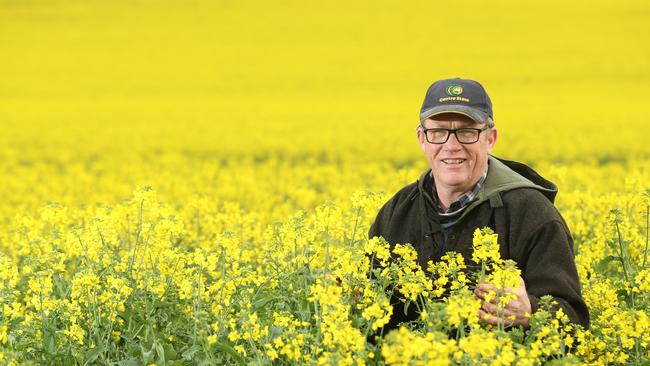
517	203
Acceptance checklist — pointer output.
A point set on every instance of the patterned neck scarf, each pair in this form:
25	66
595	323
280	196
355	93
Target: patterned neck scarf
451	216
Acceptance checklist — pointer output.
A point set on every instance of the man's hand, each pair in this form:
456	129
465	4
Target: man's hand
516	312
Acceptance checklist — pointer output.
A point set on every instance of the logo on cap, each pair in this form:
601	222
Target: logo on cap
454	90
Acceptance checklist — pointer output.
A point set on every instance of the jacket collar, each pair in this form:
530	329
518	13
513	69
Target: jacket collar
503	175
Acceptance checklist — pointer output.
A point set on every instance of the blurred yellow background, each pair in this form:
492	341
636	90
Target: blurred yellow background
98	97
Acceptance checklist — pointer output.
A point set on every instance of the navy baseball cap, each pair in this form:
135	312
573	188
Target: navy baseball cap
457	95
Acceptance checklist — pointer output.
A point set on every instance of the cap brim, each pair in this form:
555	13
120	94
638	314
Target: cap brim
473	113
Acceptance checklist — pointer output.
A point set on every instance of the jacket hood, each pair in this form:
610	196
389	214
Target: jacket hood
503	175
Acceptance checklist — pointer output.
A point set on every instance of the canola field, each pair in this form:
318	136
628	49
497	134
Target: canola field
193	182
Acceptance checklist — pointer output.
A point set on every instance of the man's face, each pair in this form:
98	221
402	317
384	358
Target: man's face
457	167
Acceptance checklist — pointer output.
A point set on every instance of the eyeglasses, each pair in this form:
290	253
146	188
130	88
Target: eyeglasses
463	135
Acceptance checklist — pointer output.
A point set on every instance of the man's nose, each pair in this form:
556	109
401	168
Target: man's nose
452	143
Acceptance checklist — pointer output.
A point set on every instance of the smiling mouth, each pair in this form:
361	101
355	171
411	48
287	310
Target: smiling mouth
453	161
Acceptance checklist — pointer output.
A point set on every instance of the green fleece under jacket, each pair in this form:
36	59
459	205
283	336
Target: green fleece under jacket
517	203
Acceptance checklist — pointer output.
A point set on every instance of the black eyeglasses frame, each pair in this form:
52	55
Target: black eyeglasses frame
450	131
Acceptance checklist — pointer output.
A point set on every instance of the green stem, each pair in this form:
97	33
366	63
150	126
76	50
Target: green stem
327	249
137	238
500	311
356	224
620	245
327	242
197	306
623	262
223	277
647	229
317	315
40	300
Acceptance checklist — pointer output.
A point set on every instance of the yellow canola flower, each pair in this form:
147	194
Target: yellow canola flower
462	309
379	249
485	246
485	348
3	334
411	280
404	347
448	273
378	312
505	275
642	281
8	273
76	333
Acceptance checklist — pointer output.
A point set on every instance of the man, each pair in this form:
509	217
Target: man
467	188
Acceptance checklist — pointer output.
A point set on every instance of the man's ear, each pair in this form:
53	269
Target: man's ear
492	138
421	138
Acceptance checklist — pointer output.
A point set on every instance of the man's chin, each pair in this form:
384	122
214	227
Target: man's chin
453	185
452	180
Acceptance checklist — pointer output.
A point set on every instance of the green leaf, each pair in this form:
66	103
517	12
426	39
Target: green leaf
131	362
170	353
146	355
229	350
160	351
188	354
69	361
261	303
623	294
49	342
604	263
406	307
92	354
275	331
60	286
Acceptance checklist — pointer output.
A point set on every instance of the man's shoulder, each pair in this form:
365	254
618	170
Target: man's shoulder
406	194
403	200
526	197
529	204
403	207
